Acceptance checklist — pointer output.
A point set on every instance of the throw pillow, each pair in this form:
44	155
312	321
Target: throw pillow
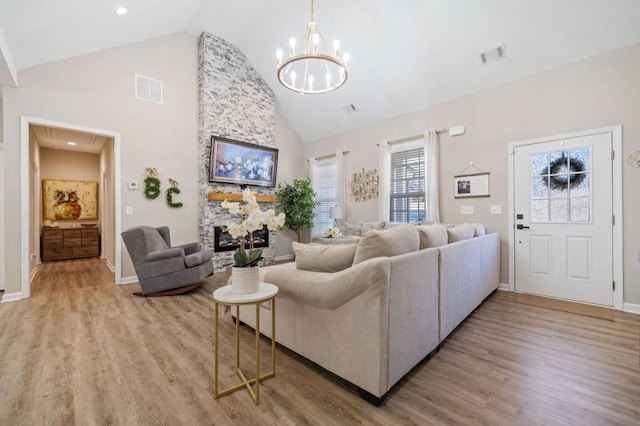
460	232
368	226
351	230
323	257
432	236
479	229
387	242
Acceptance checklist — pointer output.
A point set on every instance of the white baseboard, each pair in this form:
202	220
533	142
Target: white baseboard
11	297
129	280
110	266
631	308
284	257
503	287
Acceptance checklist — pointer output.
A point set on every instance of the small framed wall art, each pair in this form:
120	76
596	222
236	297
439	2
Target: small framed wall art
473	185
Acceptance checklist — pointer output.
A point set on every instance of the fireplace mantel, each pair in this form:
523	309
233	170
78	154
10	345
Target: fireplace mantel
221	196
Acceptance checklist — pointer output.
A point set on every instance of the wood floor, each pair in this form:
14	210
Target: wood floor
84	351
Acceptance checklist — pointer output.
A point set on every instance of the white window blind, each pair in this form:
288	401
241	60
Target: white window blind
407	190
326	194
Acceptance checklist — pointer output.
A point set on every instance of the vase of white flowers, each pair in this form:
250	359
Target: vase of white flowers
245	270
333	232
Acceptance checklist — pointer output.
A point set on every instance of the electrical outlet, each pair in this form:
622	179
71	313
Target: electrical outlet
128	210
496	209
466	209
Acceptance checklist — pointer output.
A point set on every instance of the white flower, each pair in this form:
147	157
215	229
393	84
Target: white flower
333	232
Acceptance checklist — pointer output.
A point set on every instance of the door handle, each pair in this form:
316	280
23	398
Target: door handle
522	227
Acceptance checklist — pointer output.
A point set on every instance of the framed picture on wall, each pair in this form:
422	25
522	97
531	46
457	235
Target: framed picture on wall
69	199
469	186
242	163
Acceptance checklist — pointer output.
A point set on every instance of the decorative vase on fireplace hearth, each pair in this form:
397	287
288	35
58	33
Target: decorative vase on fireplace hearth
245	280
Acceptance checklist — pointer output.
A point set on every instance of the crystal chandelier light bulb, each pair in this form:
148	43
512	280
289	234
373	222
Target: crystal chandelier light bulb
336	48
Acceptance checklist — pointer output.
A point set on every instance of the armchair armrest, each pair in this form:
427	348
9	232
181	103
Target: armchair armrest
164	254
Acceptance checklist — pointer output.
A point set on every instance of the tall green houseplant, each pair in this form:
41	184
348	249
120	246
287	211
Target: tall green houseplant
297	201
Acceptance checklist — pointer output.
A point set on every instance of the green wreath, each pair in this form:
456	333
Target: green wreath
151	187
170	203
574	178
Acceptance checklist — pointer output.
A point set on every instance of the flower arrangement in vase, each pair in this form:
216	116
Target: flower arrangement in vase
333	232
246	257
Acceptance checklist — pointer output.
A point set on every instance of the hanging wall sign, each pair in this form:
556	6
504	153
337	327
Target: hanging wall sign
470	186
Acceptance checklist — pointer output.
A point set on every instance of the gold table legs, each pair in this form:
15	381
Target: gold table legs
247	383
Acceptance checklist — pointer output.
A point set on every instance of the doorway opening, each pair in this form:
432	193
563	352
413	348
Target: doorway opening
33	132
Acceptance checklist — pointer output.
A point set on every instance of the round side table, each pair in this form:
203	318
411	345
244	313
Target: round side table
223	296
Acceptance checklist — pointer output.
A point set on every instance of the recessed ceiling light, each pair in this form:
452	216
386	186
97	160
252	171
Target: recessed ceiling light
121	11
71	143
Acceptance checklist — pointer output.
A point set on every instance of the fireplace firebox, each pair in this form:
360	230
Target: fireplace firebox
224	242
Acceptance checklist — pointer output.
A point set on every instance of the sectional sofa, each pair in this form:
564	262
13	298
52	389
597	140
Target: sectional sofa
369	312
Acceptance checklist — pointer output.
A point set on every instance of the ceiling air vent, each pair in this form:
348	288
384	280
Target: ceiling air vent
493	55
148	89
349	109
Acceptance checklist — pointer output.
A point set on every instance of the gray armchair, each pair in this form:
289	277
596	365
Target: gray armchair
162	269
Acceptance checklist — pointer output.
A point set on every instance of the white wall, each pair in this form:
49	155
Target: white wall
595	92
292	165
97	91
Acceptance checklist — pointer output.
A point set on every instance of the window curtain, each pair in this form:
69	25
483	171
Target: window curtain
431	173
341	192
384	180
315	181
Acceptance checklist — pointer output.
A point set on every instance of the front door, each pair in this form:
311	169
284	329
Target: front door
563	207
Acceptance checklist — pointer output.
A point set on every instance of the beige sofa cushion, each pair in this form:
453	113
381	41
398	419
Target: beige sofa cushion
323	257
387	242
432	236
461	232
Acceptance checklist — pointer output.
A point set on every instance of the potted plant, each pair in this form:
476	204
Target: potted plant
245	270
297	201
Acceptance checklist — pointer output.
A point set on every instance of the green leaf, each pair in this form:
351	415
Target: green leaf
240	259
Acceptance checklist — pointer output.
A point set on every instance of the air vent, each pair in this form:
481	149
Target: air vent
148	89
349	109
493	55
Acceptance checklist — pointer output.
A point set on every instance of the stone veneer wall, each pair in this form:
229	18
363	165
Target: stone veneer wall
236	103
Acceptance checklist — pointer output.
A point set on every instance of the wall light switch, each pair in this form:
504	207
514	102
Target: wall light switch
496	209
128	210
466	209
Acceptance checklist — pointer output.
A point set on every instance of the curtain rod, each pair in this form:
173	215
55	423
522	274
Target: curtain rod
324	157
410	138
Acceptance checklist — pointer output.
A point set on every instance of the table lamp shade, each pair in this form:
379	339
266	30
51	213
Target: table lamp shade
335	212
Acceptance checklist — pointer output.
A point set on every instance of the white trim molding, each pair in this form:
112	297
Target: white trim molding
283	257
129	280
12	297
503	287
631	308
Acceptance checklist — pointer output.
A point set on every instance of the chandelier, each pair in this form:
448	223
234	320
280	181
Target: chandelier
312	66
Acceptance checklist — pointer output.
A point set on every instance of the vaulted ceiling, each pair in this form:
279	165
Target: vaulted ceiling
406	54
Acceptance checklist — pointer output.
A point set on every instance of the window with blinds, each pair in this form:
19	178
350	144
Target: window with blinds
326	194
407	203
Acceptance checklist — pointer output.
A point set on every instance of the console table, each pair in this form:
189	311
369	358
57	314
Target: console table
224	296
76	243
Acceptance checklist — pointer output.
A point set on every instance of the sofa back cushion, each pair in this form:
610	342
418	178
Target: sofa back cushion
432	236
479	229
323	257
387	242
461	232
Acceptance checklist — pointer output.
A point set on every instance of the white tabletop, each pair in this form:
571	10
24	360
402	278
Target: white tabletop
265	291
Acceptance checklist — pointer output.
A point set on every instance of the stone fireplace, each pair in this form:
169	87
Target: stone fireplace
235	103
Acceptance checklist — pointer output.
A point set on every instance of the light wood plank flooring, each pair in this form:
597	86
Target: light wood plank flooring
84	351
